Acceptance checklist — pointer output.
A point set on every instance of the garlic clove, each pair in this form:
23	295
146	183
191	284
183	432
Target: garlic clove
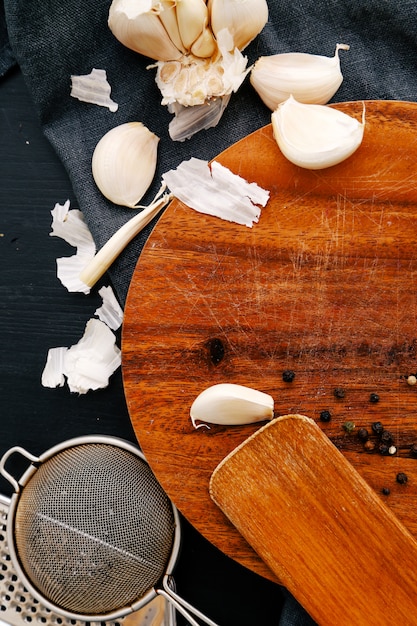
315	136
309	78
232	405
243	18
192	15
168	17
205	45
124	163
137	26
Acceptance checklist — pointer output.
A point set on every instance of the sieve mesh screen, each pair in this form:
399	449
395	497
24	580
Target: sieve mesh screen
93	529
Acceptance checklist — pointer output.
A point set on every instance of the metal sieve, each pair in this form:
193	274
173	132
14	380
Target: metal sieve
91	533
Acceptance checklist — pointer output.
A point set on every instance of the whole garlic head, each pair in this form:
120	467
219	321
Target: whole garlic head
196	46
124	163
309	78
315	136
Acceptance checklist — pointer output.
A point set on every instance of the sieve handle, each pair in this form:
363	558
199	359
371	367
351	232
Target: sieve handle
182	605
6	456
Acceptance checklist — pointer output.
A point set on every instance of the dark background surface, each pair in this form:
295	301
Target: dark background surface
38	313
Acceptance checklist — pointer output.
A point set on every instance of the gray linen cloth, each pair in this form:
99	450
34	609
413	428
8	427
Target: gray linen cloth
51	40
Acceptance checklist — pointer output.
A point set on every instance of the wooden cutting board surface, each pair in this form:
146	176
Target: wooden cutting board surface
324	285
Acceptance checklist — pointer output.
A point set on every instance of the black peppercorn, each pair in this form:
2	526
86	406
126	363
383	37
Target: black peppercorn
339	393
363	434
288	376
374	397
325	416
386	491
377	428
383	448
413	449
402	478
386	436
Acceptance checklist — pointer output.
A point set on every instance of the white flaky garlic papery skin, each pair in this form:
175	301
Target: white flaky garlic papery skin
315	136
309	78
124	163
231	405
197	49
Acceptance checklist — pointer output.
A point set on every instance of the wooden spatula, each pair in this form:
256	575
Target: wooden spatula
319	526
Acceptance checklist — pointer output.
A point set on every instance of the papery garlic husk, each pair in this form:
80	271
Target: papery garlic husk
244	19
309	78
137	26
315	136
231	405
124	163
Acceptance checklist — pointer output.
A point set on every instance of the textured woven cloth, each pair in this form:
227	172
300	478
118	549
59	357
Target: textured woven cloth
51	40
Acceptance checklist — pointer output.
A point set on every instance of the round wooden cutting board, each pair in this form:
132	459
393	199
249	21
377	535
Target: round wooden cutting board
324	285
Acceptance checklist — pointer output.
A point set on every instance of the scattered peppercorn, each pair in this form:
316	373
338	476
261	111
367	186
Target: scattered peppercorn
412	380
386	436
402	478
288	376
386	491
339	393
369	445
349	427
383	448
392	450
363	434
377	428
374	397
413	449
325	416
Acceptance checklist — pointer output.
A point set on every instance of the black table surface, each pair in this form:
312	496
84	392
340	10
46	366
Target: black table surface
38	313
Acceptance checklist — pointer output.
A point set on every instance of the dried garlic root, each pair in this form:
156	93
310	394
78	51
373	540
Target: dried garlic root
231	405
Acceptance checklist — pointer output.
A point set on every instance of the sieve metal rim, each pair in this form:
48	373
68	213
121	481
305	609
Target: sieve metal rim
14	501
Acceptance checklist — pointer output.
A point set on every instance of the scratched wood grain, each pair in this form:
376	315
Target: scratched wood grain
324	285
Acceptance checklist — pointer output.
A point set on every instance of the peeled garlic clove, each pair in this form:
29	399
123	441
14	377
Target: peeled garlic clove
231	404
137	26
192	15
315	136
243	18
309	78
124	163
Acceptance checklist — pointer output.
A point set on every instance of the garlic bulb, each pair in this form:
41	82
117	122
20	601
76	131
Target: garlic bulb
196	47
231	404
315	136
309	78
124	163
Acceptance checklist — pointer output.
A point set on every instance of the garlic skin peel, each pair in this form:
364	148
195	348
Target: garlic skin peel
315	136
231	405
124	163
309	78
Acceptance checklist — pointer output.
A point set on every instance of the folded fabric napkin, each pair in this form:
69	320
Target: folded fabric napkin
52	40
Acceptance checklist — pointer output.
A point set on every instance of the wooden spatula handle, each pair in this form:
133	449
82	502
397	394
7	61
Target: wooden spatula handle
317	524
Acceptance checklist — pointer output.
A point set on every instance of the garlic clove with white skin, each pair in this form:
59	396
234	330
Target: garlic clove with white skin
243	18
231	405
136	24
315	136
124	163
309	78
192	15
